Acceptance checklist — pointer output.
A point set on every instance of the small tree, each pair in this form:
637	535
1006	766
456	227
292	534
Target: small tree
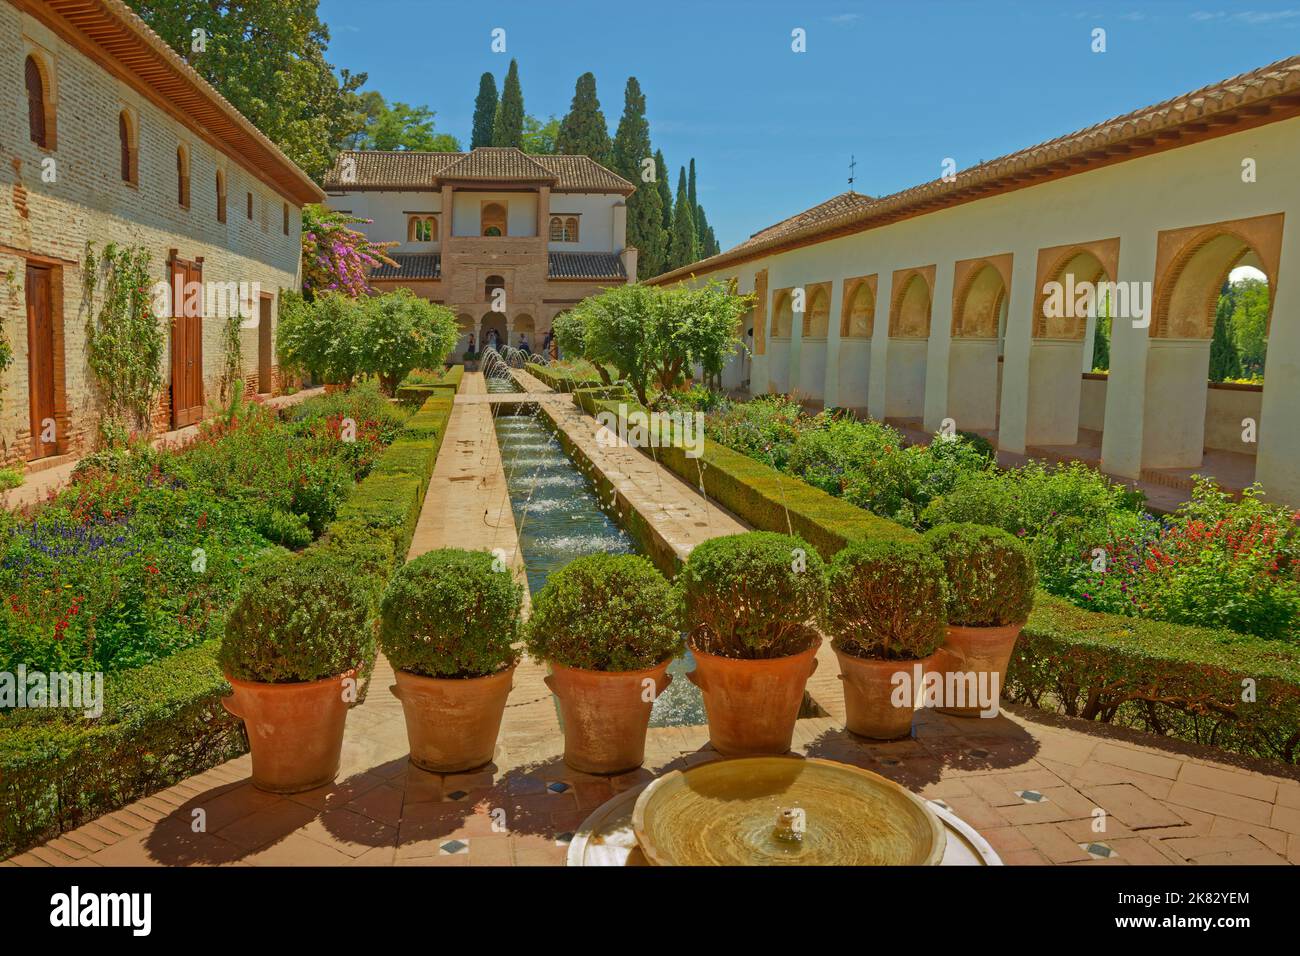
654	335
1225	363
400	331
321	337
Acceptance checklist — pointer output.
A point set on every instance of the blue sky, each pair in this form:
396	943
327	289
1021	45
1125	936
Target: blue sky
899	85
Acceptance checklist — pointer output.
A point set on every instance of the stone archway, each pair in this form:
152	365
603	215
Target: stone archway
491	322
523	325
978	305
465	323
1191	267
909	335
857	322
1065	312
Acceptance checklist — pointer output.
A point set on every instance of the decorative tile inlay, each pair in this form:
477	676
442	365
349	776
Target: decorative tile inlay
453	847
458	795
557	786
1098	851
1031	796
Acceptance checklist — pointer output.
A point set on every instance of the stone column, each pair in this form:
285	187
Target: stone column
1012	416
936	355
877	379
1121	440
831	394
448	214
544	213
1277	461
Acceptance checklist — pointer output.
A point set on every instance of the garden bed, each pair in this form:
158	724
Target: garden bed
1235	691
163	721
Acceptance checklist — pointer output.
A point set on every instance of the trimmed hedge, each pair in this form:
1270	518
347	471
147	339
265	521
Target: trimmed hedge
562	380
418	387
1168	679
164	722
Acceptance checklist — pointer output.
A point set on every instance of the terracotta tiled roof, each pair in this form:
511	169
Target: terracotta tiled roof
497	162
387	169
410	170
410	265
585	265
835	206
584	174
1268	94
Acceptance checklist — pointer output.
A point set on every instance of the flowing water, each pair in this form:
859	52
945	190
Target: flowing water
559	518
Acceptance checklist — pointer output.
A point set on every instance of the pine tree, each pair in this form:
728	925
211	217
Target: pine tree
665	190
631	145
583	131
485	111
681	250
508	127
1225	363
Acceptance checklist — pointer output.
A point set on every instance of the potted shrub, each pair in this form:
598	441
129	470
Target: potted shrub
607	626
885	612
296	640
448	625
749	602
991	580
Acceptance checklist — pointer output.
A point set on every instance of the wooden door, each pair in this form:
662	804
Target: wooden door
187	342
40	359
265	348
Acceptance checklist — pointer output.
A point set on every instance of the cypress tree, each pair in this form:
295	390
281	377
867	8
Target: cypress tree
692	196
583	131
1225	362
485	111
665	190
508	127
681	251
631	145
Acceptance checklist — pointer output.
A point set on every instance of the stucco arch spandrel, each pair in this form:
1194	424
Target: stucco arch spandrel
907	320
1193	263
1052	266
977	316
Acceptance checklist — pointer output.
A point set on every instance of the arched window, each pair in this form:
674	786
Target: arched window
557	229
183	177
221	196
491	284
571	229
39	120
129	149
493	219
422	229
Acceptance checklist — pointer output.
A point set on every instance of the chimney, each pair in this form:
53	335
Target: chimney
628	256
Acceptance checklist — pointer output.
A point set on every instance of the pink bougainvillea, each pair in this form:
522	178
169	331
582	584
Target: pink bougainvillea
336	258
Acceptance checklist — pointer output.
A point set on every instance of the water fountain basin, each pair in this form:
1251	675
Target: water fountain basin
737	812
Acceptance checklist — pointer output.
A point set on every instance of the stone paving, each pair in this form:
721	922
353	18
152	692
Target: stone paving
1030	782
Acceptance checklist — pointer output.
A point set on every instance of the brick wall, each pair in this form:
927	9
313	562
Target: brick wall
88	201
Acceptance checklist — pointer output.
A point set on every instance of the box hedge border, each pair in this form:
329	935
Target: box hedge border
164	722
1237	692
448	384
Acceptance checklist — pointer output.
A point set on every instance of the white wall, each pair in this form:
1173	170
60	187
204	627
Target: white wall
1131	200
595	221
521	212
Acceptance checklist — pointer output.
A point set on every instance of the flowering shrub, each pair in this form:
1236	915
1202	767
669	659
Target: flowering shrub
334	257
1216	563
765	429
144	552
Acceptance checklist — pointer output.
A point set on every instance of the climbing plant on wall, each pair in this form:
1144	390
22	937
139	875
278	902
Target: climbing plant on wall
124	338
232	369
15	290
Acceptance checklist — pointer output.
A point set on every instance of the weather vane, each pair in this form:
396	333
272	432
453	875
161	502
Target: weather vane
852	163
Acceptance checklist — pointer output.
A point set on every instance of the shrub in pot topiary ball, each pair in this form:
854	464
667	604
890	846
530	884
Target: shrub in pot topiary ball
300	618
886	600
447	613
990	574
752	595
605	612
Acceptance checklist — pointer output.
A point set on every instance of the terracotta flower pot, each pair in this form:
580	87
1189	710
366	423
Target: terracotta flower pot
452	723
294	730
752	704
605	715
979	651
870	704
